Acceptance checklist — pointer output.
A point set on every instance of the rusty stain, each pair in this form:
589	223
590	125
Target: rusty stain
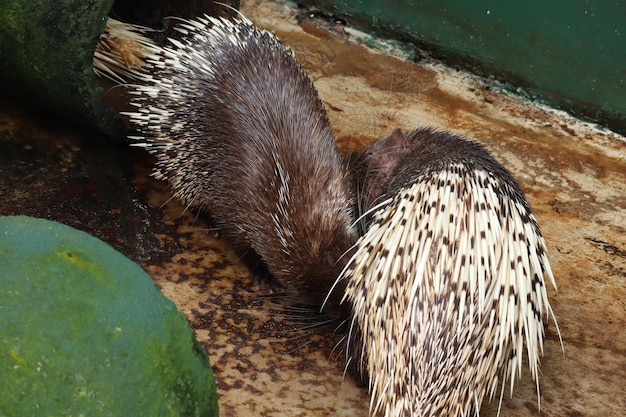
335	57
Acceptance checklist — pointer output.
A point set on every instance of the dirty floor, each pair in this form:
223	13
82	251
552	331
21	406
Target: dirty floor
274	357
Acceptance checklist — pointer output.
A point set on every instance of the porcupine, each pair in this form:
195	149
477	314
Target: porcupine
238	130
447	282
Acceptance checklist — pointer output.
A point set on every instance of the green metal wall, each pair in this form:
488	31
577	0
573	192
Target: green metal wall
569	53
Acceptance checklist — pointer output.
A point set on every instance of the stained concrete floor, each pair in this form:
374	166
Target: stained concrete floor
272	358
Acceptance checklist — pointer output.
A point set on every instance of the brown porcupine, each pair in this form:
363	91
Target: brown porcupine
448	281
239	131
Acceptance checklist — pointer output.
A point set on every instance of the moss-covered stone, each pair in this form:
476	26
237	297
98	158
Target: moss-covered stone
85	331
46	58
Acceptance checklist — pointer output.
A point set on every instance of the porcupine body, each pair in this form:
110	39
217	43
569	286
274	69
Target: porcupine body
239	131
447	284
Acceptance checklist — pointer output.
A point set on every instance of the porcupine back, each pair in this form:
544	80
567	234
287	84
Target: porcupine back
239	131
448	282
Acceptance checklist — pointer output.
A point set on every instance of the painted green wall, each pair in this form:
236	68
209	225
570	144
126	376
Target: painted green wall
569	53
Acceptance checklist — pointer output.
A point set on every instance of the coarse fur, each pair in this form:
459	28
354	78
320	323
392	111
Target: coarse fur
239	131
448	282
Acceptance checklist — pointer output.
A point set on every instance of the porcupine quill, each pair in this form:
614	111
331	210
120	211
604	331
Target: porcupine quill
122	50
447	284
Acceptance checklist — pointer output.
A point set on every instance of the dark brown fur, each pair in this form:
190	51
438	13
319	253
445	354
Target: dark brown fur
387	165
257	152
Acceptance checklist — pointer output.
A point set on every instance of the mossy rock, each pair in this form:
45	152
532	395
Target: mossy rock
85	332
46	59
46	54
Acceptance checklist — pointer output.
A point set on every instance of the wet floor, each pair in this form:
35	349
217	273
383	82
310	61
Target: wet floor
272	360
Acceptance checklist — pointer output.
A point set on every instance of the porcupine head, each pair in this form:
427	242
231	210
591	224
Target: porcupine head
447	284
239	131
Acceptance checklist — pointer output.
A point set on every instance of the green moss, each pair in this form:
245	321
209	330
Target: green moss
46	51
84	331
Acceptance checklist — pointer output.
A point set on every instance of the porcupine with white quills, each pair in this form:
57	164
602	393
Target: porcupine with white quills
239	131
447	283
